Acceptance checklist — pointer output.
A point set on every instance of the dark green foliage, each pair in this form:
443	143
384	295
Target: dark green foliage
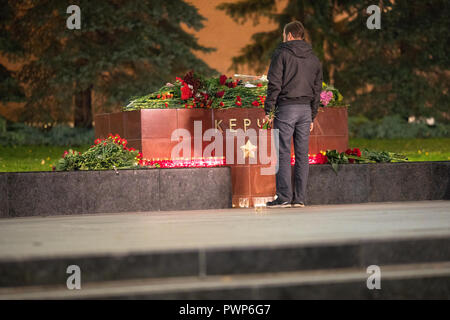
60	135
124	48
10	89
403	68
314	14
394	127
406	63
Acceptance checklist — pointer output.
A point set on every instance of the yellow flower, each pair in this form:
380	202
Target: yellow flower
426	153
43	161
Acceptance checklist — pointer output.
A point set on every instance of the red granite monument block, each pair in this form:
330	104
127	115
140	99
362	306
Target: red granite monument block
116	123
133	126
150	130
186	119
158	123
101	125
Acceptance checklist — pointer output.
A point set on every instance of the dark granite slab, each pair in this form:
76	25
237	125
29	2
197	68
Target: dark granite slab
78	192
404	251
401	181
441	180
3	195
351	184
45	193
257	260
202	188
52	271
51	193
126	190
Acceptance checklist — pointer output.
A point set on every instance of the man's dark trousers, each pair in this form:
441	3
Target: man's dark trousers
293	121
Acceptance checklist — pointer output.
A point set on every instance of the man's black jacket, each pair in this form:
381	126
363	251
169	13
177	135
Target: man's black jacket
295	77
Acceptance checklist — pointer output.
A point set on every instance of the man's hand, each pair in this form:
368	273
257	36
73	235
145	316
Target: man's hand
311	127
268	119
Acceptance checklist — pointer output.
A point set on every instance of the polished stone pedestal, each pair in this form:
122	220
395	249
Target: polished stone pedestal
77	192
150	131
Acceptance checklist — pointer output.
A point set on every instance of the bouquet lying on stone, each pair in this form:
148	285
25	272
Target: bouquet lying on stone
240	91
196	91
109	153
356	155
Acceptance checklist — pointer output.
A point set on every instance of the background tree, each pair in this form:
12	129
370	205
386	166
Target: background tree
124	48
318	16
10	90
401	69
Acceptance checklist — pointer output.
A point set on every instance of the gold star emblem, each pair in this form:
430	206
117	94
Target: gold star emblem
248	149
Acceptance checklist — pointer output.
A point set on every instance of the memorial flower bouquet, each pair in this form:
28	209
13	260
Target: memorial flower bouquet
109	153
331	97
196	91
240	91
356	155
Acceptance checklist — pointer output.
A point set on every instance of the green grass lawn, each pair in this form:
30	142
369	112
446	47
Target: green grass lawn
32	158
433	149
41	158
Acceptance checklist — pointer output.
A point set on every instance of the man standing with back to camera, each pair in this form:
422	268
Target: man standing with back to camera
293	96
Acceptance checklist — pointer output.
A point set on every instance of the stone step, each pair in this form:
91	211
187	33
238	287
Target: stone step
410	281
216	261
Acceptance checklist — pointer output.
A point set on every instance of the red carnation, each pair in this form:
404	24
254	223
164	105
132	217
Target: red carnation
232	84
322	158
357	152
221	104
259	85
186	93
223	79
220	94
238	98
239	103
255	103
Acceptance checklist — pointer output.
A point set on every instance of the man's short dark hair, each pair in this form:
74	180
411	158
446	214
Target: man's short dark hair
296	29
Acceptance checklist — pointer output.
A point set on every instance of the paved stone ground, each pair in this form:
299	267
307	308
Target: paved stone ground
134	232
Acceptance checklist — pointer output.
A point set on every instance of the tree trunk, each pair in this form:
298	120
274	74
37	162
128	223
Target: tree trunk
83	108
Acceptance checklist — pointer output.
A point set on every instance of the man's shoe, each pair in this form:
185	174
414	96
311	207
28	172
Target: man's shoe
277	203
298	205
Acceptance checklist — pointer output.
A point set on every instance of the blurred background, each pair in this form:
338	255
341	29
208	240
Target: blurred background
53	79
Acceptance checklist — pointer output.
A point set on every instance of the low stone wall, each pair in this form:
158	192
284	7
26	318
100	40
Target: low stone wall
63	193
375	182
78	192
